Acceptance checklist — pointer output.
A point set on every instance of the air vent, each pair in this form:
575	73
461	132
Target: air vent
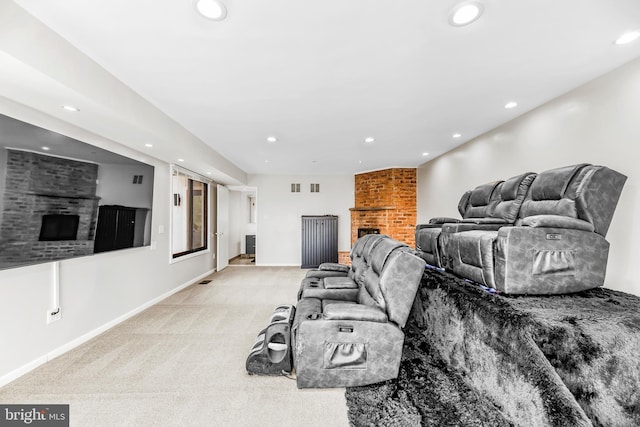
315	188
137	179
295	188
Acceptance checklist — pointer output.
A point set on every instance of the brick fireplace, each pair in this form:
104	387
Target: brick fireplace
385	200
42	190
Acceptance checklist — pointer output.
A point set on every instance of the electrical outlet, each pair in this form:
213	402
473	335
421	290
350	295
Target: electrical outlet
53	315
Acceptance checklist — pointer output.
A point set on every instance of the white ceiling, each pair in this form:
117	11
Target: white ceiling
322	76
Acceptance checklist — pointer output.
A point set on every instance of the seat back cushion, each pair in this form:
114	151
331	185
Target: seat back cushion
362	262
464	201
548	193
381	252
512	194
586	192
399	283
482	201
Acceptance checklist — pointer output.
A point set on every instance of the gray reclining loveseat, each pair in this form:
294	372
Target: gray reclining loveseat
347	329
543	234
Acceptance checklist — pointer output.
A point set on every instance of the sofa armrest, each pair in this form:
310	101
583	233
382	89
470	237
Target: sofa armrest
368	313
442	220
469	226
334	266
478	221
340	283
555	221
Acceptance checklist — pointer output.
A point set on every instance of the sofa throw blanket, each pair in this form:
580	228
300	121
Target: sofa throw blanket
476	358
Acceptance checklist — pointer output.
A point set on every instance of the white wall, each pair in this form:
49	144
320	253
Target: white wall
597	123
116	187
279	213
95	291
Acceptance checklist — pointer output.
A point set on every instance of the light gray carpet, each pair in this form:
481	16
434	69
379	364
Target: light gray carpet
182	362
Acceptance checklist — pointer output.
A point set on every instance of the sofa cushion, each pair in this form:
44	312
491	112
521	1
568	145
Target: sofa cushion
382	251
482	201
552	184
512	194
464	202
548	193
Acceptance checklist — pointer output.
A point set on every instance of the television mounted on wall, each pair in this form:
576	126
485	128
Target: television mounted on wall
62	198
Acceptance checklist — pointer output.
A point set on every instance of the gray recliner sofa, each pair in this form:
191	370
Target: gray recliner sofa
490	205
555	243
347	329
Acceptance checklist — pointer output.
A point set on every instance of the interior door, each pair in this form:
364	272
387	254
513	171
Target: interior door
222	234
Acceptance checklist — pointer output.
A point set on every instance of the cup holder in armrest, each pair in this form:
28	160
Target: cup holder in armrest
277	348
271	352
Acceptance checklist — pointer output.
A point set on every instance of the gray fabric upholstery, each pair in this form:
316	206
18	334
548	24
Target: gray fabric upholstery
512	193
529	262
359	342
330	269
482	201
337	311
496	203
556	244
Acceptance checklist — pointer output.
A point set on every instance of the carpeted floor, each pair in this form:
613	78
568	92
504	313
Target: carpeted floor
473	358
182	363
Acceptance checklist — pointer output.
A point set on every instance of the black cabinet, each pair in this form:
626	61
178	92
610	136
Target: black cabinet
319	240
115	228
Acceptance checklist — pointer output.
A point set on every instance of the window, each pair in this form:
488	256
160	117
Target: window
190	216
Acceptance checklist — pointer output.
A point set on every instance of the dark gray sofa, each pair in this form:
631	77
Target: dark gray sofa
347	329
542	234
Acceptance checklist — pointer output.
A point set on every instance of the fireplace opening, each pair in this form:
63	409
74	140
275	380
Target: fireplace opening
364	231
59	227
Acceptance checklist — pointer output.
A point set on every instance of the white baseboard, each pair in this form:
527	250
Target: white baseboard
16	373
277	265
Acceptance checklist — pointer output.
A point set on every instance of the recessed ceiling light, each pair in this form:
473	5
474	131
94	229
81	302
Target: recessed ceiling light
148	145
211	9
208	173
181	160
511	104
70	108
425	154
266	161
628	37
369	140
271	139
465	14
456	135
46	148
